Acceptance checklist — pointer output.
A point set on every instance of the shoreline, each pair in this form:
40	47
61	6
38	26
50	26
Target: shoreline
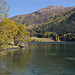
53	42
6	48
13	47
33	39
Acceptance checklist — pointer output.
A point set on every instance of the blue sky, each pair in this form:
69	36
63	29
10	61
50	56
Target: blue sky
20	7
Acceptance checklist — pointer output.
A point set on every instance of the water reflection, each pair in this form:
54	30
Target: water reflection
41	59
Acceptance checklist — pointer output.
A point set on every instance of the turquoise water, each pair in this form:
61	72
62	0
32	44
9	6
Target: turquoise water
54	58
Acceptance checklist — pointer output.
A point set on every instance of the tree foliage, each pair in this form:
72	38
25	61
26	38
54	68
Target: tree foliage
61	24
9	30
4	8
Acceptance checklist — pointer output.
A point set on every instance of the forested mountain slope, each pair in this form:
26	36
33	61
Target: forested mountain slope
61	24
62	27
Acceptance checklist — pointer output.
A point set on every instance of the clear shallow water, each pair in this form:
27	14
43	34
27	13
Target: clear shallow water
57	58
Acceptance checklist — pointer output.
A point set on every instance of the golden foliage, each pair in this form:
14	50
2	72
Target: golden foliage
10	30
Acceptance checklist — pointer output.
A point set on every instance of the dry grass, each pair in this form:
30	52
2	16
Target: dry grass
41	39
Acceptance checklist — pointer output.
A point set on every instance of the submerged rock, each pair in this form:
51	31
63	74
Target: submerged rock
21	44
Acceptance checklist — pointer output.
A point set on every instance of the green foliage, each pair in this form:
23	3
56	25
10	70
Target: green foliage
32	32
68	37
61	24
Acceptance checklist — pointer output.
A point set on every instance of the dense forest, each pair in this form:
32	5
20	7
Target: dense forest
61	25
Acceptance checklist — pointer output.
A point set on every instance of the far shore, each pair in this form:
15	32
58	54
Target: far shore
41	39
35	39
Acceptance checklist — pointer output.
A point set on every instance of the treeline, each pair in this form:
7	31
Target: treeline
59	25
11	31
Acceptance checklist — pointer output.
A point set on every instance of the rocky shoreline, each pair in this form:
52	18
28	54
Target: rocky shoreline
8	48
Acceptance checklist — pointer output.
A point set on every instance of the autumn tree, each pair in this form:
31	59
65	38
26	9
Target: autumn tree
4	8
9	30
22	35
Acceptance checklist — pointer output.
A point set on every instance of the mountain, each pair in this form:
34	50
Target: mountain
61	24
40	16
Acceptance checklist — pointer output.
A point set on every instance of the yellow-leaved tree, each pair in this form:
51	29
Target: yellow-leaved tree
4	8
12	31
22	35
8	31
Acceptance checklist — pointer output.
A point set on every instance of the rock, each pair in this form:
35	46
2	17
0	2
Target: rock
21	44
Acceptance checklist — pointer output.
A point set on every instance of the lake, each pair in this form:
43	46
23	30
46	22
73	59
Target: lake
41	58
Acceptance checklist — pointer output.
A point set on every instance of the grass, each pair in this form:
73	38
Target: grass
41	39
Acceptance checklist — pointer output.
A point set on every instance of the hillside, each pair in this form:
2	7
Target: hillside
61	23
40	16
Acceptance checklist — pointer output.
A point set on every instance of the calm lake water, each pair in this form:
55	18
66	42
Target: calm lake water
55	58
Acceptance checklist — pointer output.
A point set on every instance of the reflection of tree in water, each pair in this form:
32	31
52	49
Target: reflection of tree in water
59	50
66	50
17	60
38	59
